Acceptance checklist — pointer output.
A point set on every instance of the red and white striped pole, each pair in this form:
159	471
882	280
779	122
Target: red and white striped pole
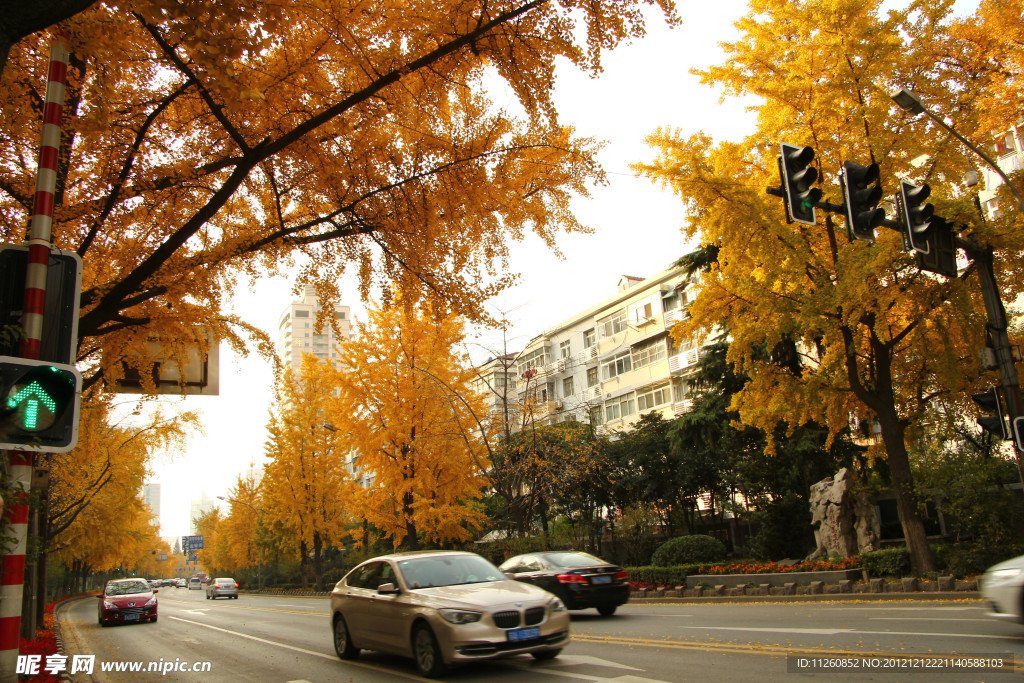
12	571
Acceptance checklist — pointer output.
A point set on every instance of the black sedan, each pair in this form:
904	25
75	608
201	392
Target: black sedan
579	579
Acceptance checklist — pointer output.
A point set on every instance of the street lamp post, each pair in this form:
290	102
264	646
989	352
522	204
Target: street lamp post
259	550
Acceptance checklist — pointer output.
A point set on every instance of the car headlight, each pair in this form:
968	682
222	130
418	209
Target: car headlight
557	605
459	616
109	605
152	601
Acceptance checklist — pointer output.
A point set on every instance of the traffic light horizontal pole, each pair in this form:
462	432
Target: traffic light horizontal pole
829	207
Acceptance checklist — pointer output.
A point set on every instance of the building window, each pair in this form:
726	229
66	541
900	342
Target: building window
620	407
534	359
652	398
567	389
595	416
612	325
645	354
564	349
589	338
616	366
301	314
340	315
591	377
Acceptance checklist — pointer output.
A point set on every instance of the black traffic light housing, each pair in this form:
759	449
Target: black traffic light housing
39	405
990	402
798	176
916	216
861	194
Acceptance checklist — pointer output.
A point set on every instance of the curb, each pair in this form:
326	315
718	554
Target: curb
918	596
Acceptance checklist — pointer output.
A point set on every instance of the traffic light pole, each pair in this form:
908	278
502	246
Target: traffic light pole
12	573
997	325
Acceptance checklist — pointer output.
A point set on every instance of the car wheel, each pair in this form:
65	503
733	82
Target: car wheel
342	642
607	610
427	653
152	620
546	654
101	622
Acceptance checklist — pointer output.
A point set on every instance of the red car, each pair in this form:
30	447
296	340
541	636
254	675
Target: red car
126	600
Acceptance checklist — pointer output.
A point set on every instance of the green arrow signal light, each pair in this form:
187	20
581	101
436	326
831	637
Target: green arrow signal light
32	396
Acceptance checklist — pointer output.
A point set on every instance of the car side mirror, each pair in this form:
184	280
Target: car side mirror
388	589
510	575
156	590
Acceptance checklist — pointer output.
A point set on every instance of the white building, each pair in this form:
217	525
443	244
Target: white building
297	335
1009	155
199	508
151	497
611	362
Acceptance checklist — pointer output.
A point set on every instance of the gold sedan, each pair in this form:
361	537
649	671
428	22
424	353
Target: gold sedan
442	608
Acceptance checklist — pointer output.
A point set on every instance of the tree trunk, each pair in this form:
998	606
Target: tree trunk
318	562
914	534
412	539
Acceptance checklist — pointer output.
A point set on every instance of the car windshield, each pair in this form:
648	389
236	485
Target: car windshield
572	559
448	570
127	588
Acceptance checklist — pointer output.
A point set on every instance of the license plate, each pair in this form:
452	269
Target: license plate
524	633
131	617
601	579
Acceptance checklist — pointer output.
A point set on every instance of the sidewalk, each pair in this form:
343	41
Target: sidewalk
945	588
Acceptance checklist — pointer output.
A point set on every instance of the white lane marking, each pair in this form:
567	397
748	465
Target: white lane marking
850	631
573	660
304	651
989	621
198	611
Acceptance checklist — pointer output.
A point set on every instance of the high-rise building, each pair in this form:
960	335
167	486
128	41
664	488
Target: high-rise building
297	334
199	508
151	497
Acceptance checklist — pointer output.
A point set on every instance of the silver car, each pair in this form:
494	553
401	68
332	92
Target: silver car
222	588
442	608
1002	587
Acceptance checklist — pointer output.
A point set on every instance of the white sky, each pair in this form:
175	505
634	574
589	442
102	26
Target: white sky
636	232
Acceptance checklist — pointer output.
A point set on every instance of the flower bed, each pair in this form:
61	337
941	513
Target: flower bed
45	644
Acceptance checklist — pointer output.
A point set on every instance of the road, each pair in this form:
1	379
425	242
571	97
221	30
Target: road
288	639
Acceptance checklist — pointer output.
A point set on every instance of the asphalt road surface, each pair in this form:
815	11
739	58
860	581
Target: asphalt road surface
288	640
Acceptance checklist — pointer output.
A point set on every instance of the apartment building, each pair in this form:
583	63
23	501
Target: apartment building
296	333
613	361
1009	155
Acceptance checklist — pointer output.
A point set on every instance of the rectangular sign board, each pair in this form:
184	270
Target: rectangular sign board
60	312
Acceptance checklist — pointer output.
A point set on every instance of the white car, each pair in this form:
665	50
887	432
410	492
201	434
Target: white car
1002	587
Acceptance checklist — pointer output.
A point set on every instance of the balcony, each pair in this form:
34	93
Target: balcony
676	315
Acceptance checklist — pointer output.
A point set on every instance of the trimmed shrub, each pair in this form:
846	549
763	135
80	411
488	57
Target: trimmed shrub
693	549
893	562
662	576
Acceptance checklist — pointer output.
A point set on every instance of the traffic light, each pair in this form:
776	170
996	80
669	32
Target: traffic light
861	195
990	403
941	257
39	404
916	215
797	178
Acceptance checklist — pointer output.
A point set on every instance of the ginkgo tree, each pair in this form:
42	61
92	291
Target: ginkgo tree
206	143
307	495
825	326
406	411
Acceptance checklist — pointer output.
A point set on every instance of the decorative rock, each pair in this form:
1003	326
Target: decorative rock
909	584
877	585
719	590
946	583
816	587
789	588
846	586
